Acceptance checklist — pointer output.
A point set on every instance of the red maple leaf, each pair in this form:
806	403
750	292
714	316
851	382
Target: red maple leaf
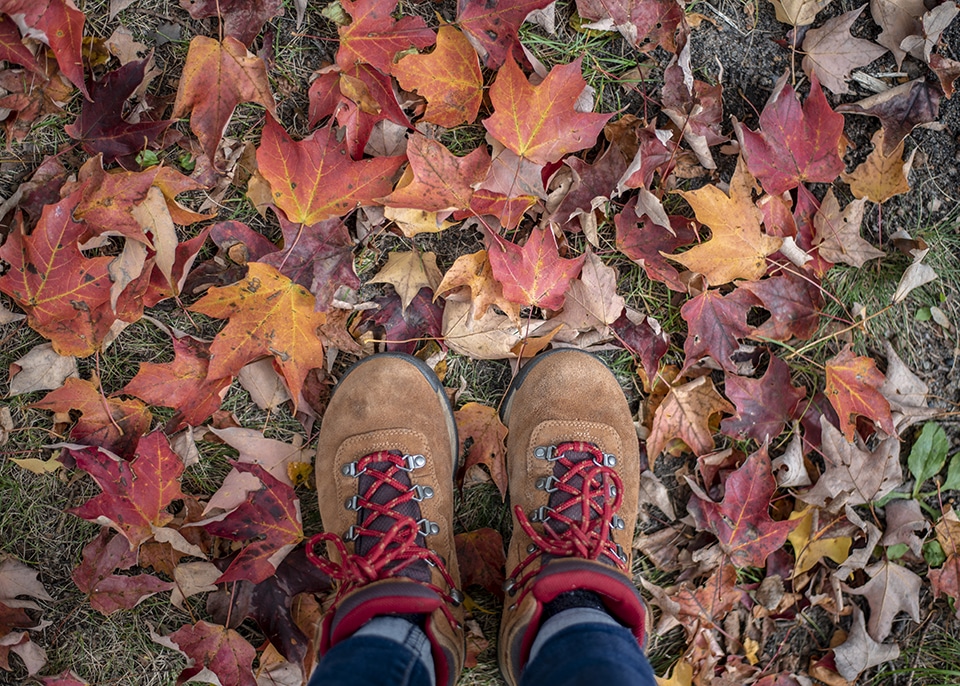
375	37
269	520
741	521
492	27
242	19
645	24
109	592
764	405
135	494
644	341
540	122
109	423
181	384
482	426
101	127
481	559
646	242
714	323
794	145
534	274
221	650
399	328
66	296
315	179
793	301
13	50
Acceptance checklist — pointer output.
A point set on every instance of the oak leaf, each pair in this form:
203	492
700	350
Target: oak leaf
794	144
218	649
375	37
534	274
135	494
216	78
408	272
269	315
480	556
268	520
449	78
854	476
66	296
110	423
183	384
315	179
714	323
832	52
481	425
685	413
242	19
541	122
473	271
492	27
892	588
737	248
109	592
852	388
101	127
441	181
764	405
881	176
741	521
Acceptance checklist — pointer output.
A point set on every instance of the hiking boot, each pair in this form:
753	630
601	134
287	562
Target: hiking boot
385	463
573	461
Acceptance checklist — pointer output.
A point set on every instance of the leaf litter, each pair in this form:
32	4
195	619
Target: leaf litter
558	166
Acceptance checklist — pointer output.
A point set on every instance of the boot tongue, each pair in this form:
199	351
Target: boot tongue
558	498
419	570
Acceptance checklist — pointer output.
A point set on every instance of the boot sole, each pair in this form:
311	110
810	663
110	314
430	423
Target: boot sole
438	388
507	404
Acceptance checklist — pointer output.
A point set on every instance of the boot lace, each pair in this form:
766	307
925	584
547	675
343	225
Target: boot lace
388	550
582	517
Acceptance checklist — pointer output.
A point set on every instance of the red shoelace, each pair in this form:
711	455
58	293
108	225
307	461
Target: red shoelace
585	518
394	549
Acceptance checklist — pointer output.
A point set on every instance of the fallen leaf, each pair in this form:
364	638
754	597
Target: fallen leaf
214	648
860	652
793	301
408	272
216	78
269	315
900	110
540	122
832	52
473	271
402	329
741	521
813	542
41	369
135	494
241	19
903	520
764	405
798	12
905	391
933	23
109	592
491	27
110	423
640	238
644	25
336	183
714	323
898	19
534	274
480	555
449	78
375	37
481	425
794	144
853	389
685	413
838	232
881	176
59	24
853	475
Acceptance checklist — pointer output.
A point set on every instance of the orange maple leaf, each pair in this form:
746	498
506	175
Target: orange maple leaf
449	78
315	179
216	78
540	122
269	315
852	388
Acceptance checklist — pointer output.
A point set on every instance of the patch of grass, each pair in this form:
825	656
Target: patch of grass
932	660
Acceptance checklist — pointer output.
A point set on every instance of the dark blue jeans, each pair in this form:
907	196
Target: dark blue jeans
580	655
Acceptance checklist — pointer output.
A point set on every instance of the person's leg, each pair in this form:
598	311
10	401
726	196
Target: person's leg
573	464
385	461
584	647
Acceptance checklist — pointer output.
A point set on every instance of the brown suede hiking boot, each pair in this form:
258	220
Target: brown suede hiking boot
573	461
385	462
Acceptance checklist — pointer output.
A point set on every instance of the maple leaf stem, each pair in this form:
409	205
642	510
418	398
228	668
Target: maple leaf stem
103	398
233	593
